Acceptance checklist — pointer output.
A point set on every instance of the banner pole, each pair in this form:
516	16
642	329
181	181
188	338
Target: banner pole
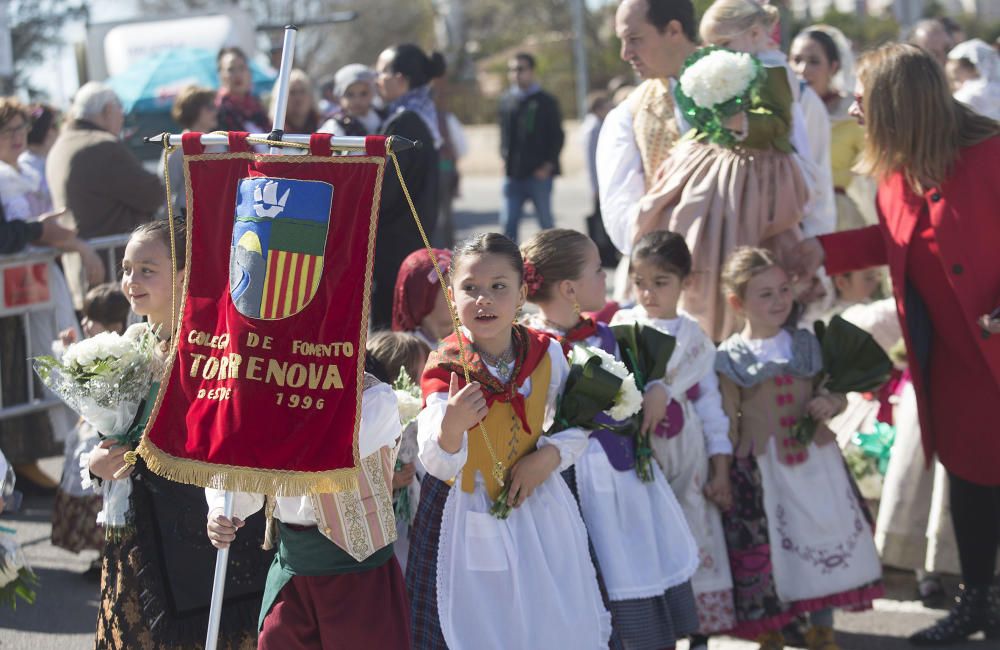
219	584
222	555
281	90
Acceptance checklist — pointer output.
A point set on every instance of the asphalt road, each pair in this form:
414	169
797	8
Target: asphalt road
64	614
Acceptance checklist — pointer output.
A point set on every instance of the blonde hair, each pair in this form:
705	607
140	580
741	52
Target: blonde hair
398	350
913	125
557	254
744	264
11	107
729	18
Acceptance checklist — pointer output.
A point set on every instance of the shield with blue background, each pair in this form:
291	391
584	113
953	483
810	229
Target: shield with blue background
279	238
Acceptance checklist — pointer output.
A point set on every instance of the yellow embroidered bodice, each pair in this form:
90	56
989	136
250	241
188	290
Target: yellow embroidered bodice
507	436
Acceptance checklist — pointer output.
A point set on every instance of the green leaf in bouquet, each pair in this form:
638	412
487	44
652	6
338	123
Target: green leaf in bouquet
500	509
590	389
852	360
404	382
645	351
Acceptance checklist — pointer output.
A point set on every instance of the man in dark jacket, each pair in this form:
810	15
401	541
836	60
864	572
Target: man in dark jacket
531	138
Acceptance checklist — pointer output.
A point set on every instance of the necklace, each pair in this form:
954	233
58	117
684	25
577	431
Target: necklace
503	362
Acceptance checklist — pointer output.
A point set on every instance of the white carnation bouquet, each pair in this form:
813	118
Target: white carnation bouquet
409	401
105	379
600	393
714	85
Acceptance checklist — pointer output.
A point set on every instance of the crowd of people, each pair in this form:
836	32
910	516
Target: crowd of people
511	526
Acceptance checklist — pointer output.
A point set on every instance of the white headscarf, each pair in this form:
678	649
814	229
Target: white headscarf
844	80
984	57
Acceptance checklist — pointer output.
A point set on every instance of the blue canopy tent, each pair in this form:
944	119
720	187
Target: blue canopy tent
148	88
151	84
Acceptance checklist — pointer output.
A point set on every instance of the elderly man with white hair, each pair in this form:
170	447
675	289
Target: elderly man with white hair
95	177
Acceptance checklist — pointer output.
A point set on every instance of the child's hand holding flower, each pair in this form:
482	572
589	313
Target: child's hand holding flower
530	472
107	459
654	406
404	476
824	407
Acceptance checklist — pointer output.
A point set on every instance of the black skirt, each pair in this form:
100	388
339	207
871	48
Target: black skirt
156	583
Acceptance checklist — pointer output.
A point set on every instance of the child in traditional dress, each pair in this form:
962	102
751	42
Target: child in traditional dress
418	303
475	580
645	551
719	198
74	514
392	352
691	438
799	535
335	582
156	583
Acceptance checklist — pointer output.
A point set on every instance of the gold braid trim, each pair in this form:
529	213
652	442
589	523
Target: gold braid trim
273	482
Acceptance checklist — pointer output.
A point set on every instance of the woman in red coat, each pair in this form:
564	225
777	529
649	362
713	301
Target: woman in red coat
938	166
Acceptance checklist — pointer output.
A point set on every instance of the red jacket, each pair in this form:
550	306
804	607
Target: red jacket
965	216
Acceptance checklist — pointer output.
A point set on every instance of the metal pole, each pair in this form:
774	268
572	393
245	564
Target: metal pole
281	90
580	57
219	585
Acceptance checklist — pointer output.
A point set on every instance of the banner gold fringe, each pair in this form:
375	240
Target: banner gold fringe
272	482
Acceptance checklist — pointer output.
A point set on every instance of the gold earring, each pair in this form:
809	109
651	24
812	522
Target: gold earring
576	309
517	316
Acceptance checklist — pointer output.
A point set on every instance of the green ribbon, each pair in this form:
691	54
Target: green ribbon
878	444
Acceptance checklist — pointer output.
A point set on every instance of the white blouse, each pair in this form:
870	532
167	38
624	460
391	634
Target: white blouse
379	428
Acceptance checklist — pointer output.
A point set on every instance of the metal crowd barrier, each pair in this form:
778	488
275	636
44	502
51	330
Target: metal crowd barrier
25	290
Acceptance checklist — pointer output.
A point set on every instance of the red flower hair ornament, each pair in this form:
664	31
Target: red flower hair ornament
532	279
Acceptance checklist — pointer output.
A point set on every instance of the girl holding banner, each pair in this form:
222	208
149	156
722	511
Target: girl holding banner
156	579
334	581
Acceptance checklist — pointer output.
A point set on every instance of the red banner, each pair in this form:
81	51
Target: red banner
264	389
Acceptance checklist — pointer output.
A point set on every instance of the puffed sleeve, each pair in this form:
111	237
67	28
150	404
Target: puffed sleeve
621	181
244	503
380	425
714	421
572	442
437	461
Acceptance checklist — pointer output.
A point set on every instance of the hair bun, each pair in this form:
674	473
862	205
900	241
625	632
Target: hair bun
773	14
436	65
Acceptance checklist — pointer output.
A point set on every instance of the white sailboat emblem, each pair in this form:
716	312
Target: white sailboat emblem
266	202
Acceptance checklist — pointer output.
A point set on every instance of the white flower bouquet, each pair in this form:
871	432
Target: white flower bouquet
598	385
105	379
716	84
